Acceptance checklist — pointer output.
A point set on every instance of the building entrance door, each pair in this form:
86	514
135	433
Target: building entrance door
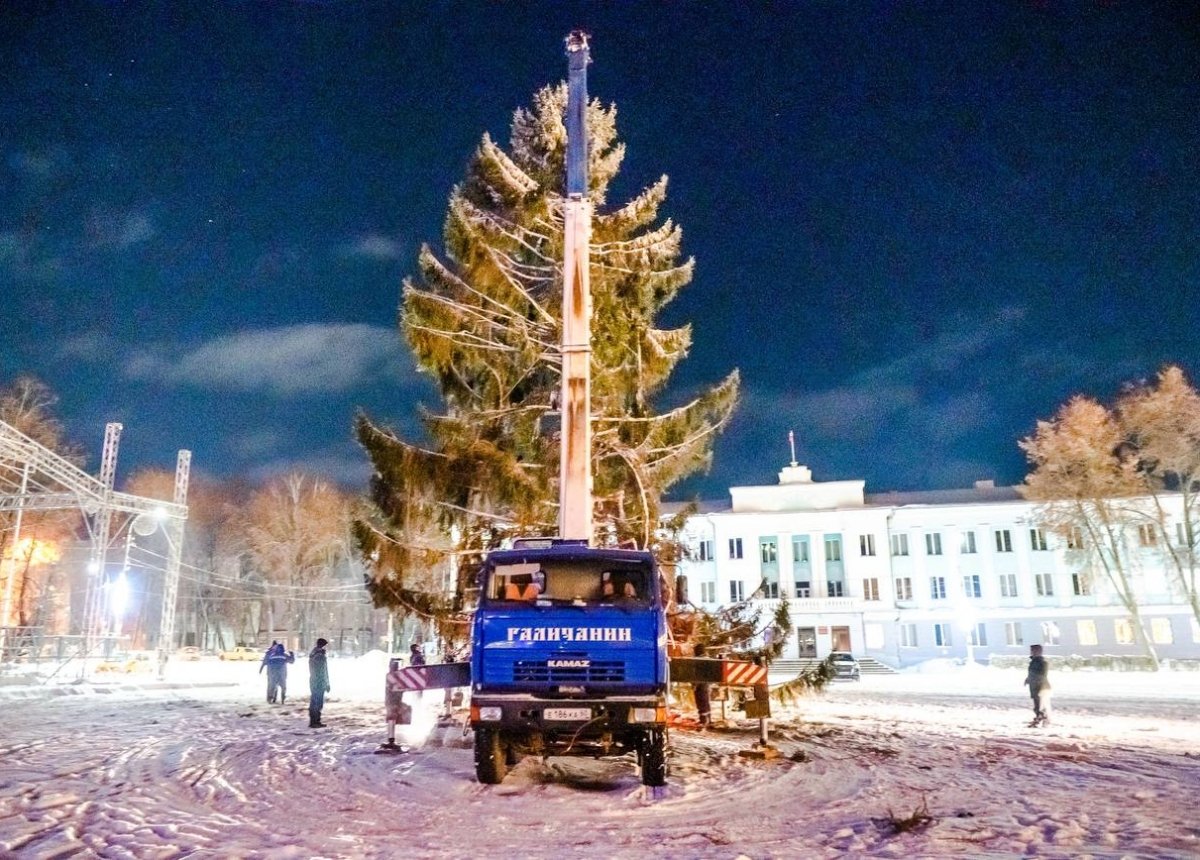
841	638
807	639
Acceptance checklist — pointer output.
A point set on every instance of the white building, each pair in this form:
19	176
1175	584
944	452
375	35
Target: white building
906	577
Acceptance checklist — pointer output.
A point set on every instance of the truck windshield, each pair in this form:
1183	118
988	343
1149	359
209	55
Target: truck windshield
577	581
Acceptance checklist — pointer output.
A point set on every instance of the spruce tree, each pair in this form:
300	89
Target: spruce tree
483	319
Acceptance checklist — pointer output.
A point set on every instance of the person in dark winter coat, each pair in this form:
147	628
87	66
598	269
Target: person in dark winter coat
318	683
276	662
416	657
1038	681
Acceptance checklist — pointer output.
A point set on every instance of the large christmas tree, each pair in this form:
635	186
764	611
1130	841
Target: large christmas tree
484	320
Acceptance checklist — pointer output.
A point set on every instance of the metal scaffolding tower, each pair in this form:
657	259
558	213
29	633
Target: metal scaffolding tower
34	478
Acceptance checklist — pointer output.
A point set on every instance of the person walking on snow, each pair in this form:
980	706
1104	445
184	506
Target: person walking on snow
1038	682
318	683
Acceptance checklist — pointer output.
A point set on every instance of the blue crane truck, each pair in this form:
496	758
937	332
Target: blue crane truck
569	657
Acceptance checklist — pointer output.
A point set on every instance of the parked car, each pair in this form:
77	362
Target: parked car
845	667
242	652
188	652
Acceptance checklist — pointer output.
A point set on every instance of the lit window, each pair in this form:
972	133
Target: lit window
866	544
933	544
1147	535
1003	540
735	547
1075	538
1085	628
1037	540
1081	584
899	544
1123	631
1050	633
871	589
1160	631
967	547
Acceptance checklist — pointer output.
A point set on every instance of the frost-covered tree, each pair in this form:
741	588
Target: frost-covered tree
1086	489
1161	423
484	321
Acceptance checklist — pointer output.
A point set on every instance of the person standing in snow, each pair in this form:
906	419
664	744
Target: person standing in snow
1038	681
416	657
276	662
318	683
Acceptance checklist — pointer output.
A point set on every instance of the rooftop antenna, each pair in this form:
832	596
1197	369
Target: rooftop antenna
792	443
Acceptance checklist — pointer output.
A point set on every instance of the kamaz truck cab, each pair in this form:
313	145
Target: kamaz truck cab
569	657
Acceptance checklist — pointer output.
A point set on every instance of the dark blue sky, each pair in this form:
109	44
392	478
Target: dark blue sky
918	227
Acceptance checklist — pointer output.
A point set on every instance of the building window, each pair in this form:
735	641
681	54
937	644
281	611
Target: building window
1075	538
866	544
1123	631
1003	540
770	589
871	589
979	635
803	588
1160	631
1050	633
933	544
708	592
736	591
768	550
1181	537
833	549
705	551
1147	535
899	544
1012	633
1045	584
836	587
1081	584
800	550
1008	585
937	587
971	586
908	635
735	547
941	635
904	588
1037	540
1085	629
967	546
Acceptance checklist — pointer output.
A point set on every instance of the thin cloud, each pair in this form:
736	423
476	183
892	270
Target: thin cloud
120	229
287	361
375	246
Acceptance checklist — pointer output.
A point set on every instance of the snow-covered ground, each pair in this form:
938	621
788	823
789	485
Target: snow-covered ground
207	769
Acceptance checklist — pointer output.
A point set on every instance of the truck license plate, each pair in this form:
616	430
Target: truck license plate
567	714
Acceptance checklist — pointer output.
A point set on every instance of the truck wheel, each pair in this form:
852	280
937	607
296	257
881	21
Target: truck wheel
654	757
489	757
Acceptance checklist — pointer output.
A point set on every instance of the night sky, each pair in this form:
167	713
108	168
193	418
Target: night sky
918	227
